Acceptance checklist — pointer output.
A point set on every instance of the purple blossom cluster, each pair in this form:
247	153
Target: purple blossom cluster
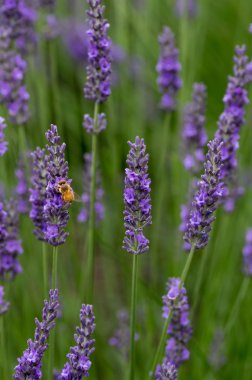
247	253
179	329
10	244
29	365
137	213
230	123
55	211
79	362
166	371
194	134
89	124
97	86
4	305
3	143
22	187
38	191
168	69
206	199
99	207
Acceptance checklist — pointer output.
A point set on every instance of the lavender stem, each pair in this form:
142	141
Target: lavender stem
52	338
167	321
91	224
3	348
133	317
45	272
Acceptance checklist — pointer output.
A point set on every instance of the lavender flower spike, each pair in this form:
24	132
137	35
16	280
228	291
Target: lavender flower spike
99	207
38	192
4	306
55	209
137	214
206	199
29	365
247	254
3	143
167	371
194	135
168	69
180	330
97	86
79	362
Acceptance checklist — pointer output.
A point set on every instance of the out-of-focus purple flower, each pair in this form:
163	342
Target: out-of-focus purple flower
99	207
22	191
88	123
10	244
3	143
79	362
50	4
4	305
193	134
97	86
29	365
217	356
51	28
137	213
166	371
206	199
13	93
179	329
230	123
38	192
186	7
56	209
168	69
250	28
247	253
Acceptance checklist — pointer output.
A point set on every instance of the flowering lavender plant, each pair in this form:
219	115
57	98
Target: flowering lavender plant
137	214
206	199
38	192
247	253
29	365
3	143
168	69
91	127
230	123
55	209
179	329
193	134
99	207
166	371
4	305
97	87
79	362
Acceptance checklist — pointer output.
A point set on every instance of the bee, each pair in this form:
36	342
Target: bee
67	193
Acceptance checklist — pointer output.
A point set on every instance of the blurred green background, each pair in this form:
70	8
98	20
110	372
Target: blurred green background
55	82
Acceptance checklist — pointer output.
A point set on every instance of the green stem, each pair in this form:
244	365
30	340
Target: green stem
133	317
45	272
52	338
241	295
168	319
3	348
91	224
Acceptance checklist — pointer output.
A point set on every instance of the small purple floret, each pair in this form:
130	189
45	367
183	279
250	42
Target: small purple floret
4	305
247	253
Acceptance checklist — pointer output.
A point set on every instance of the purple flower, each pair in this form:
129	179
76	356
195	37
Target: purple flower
168	69
206	199
88	123
29	365
230	123
22	187
38	192
186	7
137	213
3	143
97	86
56	209
167	371
193	134
79	362
99	207
247	253
217	356
179	329
4	306
10	244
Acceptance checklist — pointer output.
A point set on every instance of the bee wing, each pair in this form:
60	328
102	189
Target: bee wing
77	198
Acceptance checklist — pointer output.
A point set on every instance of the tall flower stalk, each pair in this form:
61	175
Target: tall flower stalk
137	215
97	89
